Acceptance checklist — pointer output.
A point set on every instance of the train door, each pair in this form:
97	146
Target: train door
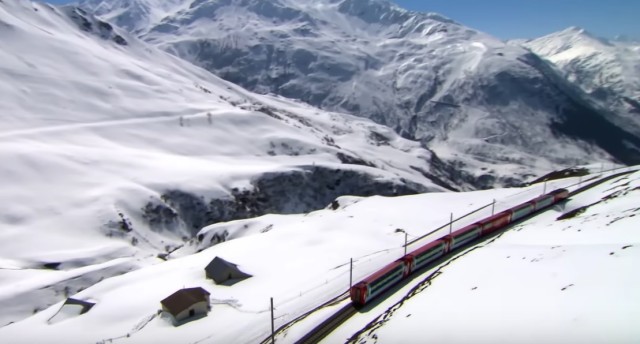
409	265
359	294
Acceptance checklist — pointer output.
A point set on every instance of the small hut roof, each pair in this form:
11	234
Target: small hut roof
86	305
221	270
183	299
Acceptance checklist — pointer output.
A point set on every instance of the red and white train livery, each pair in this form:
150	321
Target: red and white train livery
378	282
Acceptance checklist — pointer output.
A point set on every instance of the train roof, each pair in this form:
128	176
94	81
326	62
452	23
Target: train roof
493	217
426	247
464	229
530	203
383	271
558	191
550	194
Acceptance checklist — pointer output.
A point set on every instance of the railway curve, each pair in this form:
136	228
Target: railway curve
343	314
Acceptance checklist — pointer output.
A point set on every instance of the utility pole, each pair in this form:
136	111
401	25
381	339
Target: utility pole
451	224
350	273
493	207
405	243
273	332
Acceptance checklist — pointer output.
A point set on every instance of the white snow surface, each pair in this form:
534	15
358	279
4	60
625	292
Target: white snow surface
543	281
303	260
96	124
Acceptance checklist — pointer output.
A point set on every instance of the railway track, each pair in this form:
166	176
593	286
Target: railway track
342	315
328	325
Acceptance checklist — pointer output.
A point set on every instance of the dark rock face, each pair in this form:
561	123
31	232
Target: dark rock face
452	175
581	120
88	23
308	189
587	125
160	216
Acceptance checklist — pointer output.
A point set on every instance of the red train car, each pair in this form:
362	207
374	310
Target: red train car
379	281
550	198
560	194
543	201
391	274
522	210
495	222
462	236
426	254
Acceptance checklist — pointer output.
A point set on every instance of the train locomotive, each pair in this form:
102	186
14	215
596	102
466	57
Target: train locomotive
380	281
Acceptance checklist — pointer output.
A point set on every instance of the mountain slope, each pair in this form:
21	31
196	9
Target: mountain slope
464	94
114	152
609	71
302	260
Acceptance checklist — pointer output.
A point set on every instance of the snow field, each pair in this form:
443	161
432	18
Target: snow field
301	261
545	280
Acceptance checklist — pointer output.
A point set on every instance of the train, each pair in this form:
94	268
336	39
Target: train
380	281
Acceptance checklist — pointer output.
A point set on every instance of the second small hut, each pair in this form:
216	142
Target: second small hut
224	272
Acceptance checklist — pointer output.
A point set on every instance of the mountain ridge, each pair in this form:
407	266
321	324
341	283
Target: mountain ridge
118	153
607	70
398	68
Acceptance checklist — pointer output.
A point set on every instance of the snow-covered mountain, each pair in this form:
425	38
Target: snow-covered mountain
478	103
134	15
607	70
114	152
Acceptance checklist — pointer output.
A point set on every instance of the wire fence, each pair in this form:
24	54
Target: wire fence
528	190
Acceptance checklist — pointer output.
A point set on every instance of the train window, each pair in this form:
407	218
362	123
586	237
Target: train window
386	278
429	253
545	201
431	250
466	237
